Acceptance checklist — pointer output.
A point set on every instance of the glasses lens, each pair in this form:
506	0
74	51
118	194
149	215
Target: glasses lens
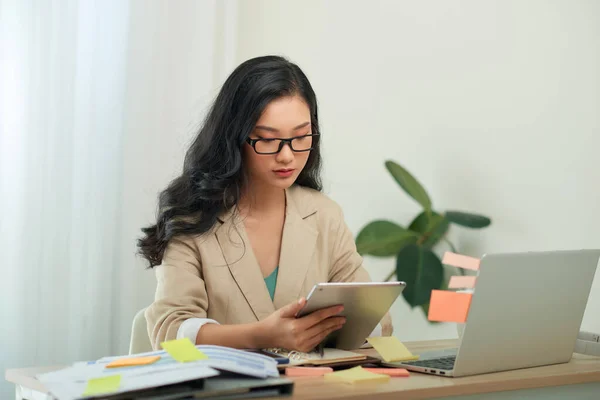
267	146
302	143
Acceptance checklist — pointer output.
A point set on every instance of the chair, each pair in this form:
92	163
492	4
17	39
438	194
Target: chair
139	341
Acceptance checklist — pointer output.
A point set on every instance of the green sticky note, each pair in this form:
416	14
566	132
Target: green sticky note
183	350
106	384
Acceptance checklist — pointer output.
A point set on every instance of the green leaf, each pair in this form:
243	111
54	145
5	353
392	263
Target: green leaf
433	225
422	271
410	185
467	219
383	238
452	247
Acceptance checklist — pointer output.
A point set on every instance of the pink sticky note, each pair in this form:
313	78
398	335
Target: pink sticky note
448	306
462	282
460	261
400	372
307	371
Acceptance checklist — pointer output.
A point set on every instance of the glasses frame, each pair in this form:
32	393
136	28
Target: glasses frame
282	142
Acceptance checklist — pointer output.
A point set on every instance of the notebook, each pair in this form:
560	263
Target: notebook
330	356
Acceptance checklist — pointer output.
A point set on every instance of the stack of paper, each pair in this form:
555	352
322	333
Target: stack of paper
180	362
330	356
86	380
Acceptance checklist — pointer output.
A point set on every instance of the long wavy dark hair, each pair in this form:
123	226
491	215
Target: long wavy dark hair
213	174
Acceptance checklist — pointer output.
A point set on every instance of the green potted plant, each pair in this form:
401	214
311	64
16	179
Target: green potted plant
412	246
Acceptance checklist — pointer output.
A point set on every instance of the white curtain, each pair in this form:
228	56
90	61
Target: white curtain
98	101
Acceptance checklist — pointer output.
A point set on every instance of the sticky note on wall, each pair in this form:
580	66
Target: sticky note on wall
448	306
462	282
460	261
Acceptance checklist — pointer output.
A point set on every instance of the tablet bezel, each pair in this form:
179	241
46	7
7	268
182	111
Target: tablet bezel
365	305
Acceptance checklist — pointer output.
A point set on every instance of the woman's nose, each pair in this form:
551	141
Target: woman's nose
285	155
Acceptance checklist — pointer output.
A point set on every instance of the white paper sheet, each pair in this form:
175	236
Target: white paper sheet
70	383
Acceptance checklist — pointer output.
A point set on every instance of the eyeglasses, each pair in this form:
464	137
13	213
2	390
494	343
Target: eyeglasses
274	146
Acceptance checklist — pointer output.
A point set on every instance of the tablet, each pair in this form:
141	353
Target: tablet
365	305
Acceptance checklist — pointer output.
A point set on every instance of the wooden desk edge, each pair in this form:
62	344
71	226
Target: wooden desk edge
26	377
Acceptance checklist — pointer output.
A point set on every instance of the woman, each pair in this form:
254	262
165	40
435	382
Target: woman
244	232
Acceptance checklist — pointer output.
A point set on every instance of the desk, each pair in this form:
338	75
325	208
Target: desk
578	379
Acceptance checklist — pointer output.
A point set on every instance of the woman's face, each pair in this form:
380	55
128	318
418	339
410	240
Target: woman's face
285	118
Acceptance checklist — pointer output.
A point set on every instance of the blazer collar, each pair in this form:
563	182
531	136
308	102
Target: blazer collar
298	201
297	248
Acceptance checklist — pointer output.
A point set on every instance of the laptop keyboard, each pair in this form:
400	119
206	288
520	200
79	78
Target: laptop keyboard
445	363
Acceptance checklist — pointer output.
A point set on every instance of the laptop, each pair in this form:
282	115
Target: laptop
526	311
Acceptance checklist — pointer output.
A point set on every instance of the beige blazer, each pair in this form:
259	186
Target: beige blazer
216	275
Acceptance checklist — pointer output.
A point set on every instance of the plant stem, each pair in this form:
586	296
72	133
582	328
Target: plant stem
430	230
390	276
445	239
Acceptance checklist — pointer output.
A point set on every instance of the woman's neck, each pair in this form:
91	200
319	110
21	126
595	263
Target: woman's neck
258	199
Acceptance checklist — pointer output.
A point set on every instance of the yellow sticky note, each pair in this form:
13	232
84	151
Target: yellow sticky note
106	384
183	350
356	375
132	362
391	349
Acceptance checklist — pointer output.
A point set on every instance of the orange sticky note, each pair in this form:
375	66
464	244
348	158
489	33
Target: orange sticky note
448	306
396	372
460	261
132	362
462	282
307	371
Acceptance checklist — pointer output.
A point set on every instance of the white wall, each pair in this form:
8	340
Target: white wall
494	106
177	54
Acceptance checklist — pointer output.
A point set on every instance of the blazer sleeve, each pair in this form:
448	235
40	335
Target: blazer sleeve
347	263
180	291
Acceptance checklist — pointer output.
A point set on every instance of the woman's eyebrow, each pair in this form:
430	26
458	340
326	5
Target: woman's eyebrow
270	129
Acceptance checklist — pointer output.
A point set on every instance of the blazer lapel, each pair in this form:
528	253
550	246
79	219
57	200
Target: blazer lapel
297	248
243	265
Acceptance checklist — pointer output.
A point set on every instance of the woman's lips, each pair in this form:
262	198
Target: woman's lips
284	172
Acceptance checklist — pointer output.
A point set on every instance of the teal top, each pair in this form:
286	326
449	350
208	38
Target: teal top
271	282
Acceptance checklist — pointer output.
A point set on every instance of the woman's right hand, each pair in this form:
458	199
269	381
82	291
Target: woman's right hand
282	329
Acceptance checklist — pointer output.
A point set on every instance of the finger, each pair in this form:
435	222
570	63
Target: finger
292	309
316	317
326	325
318	338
